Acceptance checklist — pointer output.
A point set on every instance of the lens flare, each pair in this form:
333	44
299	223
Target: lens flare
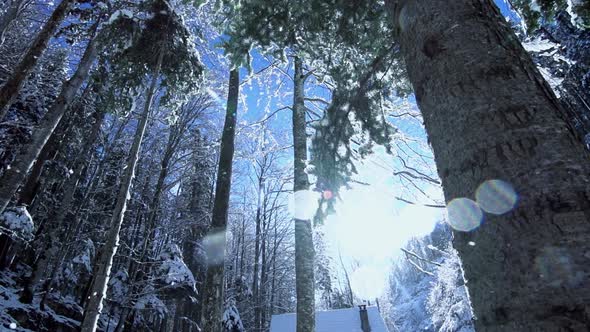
214	246
304	204
496	197
556	267
464	214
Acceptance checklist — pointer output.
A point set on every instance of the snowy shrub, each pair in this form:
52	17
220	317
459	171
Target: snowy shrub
231	319
16	222
173	271
150	301
85	257
118	286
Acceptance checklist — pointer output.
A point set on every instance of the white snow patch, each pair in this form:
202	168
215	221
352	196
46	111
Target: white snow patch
120	13
574	17
232	320
174	270
17	223
85	257
331	321
539	45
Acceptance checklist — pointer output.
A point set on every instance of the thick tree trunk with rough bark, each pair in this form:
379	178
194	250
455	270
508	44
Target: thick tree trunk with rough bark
213	292
13	177
304	252
104	263
10	89
490	115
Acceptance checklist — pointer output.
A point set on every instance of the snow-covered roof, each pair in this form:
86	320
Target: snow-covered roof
342	320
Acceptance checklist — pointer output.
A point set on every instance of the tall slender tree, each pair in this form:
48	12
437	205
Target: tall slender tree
304	250
13	177
104	264
163	52
213	288
12	86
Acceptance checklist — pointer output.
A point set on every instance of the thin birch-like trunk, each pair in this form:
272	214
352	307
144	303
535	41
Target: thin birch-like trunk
255	279
13	177
104	263
12	86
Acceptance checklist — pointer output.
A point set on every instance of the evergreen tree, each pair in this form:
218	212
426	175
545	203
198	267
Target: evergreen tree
166	41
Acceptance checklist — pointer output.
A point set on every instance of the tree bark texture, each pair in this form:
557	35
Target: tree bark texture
213	292
104	263
13	177
304	252
10	89
490	115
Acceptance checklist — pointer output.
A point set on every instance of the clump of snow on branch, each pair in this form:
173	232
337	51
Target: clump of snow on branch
150	300
118	286
174	270
16	222
85	256
231	319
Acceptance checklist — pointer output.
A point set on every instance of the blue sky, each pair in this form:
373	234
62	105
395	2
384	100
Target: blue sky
370	224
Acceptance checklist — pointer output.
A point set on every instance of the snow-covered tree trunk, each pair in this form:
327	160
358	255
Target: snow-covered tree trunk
213	292
30	188
12	86
13	177
304	252
490	115
104	263
67	202
262	302
255	279
150	225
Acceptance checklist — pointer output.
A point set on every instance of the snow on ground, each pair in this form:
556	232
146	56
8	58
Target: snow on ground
11	308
